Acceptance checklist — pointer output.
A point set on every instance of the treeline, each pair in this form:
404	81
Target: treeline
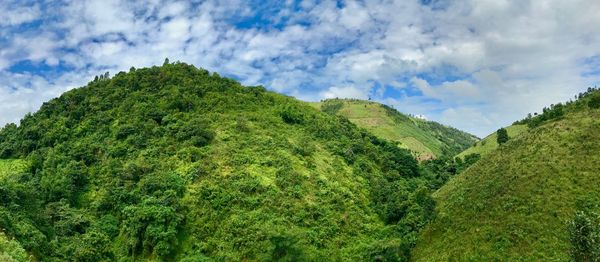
440	170
589	98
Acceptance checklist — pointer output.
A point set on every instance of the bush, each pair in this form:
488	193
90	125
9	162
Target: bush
502	136
292	115
584	232
11	250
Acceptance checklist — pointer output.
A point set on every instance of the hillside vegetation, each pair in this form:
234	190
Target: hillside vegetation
489	143
532	199
174	163
426	139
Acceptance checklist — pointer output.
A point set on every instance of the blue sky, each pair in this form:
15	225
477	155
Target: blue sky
475	65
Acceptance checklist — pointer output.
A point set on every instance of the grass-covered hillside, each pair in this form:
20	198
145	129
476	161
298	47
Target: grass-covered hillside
174	163
534	198
489	143
427	139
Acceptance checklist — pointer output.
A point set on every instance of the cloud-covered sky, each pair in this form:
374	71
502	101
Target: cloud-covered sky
473	64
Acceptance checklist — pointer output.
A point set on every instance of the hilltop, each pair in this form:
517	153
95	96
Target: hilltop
175	163
534	198
426	139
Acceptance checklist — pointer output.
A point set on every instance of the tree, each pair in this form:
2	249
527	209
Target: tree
594	102
502	136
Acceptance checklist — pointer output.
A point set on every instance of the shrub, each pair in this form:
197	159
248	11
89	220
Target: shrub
291	115
584	232
502	136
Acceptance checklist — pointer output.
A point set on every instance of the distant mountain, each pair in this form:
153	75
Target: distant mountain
174	163
426	139
534	198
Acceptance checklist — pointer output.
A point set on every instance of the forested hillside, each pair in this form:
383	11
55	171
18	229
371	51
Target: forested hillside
174	163
534	198
426	139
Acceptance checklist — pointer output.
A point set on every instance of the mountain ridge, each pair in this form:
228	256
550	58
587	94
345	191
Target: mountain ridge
427	139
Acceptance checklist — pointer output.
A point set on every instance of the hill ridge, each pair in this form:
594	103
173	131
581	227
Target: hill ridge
427	139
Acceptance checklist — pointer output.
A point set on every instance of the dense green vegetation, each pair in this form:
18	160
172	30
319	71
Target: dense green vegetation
11	250
501	136
174	163
427	139
535	198
584	233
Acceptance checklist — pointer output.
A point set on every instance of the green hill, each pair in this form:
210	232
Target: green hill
517	202
173	163
427	139
489	143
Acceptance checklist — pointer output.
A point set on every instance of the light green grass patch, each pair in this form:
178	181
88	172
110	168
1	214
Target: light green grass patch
12	166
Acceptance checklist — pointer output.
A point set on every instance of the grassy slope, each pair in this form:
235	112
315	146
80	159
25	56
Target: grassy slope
489	144
412	133
513	204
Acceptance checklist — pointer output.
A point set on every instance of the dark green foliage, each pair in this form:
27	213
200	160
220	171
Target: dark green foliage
502	136
285	249
292	115
470	159
171	162
594	102
331	106
440	170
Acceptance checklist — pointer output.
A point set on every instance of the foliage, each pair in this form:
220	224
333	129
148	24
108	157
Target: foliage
11	250
594	102
501	136
439	171
584	232
175	163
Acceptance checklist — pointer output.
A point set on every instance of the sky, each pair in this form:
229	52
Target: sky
476	65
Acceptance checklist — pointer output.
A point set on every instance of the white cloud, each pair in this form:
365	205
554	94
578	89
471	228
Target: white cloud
12	14
489	61
459	91
345	92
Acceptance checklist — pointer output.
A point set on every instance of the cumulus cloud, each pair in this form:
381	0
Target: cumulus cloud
476	65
